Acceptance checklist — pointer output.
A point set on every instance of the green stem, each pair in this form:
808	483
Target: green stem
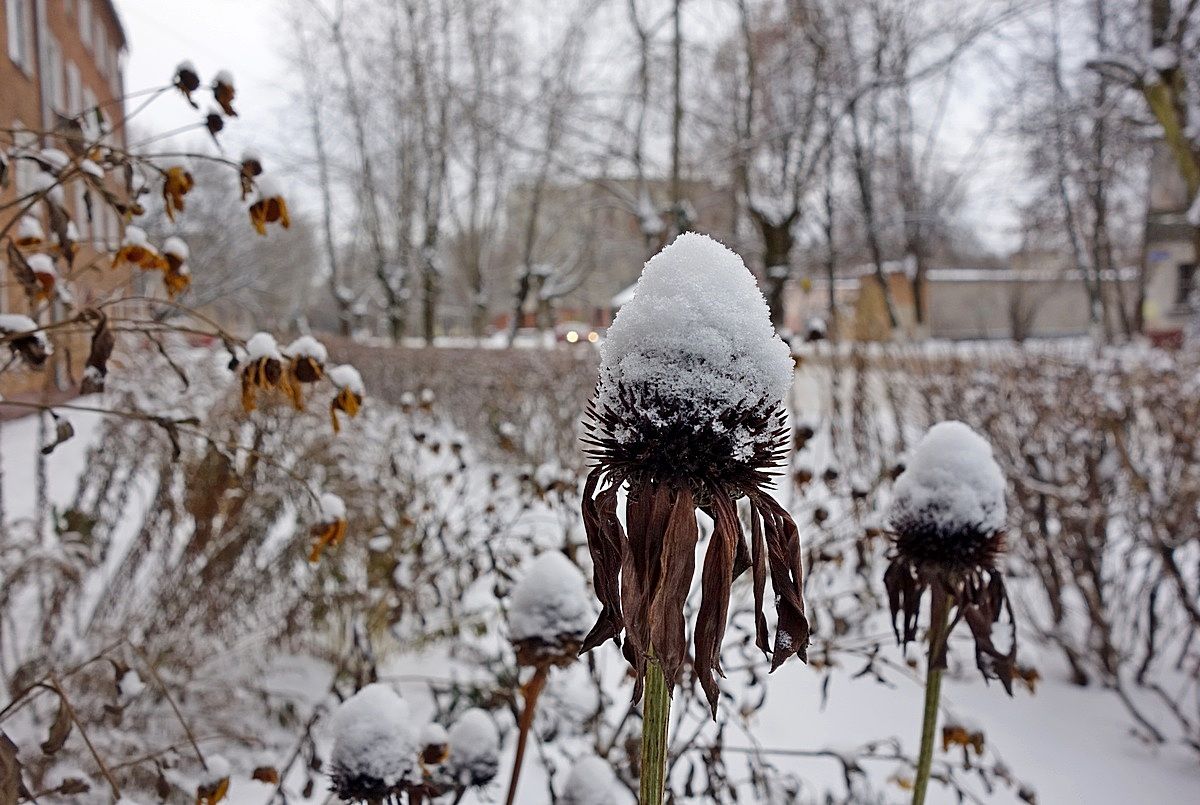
938	634
656	709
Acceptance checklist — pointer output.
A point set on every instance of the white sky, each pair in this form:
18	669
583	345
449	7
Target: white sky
236	35
244	37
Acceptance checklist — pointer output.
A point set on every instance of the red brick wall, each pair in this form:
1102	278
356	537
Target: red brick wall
71	66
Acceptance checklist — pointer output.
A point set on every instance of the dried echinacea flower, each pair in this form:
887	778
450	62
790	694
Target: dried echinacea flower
223	92
306	364
45	275
688	415
263	369
29	232
331	529
25	339
136	251
474	750
214	784
350	393
187	80
591	781
375	746
548	617
268	207
948	522
251	168
177	183
176	274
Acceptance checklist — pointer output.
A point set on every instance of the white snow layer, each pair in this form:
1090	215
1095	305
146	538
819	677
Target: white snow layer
136	236
591	782
346	376
550	600
332	507
951	476
374	735
696	337
474	743
176	247
307	347
262	345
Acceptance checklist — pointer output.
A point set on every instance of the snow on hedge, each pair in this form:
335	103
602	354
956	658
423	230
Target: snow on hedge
375	736
550	600
952	477
696	339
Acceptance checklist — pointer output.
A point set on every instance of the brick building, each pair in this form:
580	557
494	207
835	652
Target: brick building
61	58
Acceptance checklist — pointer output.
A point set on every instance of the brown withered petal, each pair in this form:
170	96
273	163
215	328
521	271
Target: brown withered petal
224	94
96	368
642	575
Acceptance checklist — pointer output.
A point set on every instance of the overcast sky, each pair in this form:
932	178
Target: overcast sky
245	36
235	35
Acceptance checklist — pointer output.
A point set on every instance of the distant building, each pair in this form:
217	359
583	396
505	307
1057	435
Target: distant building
61	57
1172	298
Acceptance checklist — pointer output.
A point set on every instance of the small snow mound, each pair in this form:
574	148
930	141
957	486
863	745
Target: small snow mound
374	736
347	377
42	264
1164	58
474	748
696	338
952	477
434	734
550	601
591	782
16	323
223	77
262	345
135	236
30	228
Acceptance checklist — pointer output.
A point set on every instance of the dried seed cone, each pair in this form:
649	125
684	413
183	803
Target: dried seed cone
687	416
948	518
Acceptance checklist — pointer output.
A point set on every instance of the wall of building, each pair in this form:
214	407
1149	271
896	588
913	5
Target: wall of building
57	59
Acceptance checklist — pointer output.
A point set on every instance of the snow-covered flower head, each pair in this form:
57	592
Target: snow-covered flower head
474	749
688	413
550	611
263	369
947	522
24	338
590	782
375	745
330	528
187	80
350	393
268	207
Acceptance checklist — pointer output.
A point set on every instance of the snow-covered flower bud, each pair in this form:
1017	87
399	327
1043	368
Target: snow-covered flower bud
688	414
223	92
590	782
474	749
268	207
350	392
948	522
550	612
25	339
263	369
375	746
330	529
186	80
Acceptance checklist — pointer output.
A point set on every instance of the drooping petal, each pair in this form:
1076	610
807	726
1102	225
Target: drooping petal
667	626
606	545
714	603
787	580
759	560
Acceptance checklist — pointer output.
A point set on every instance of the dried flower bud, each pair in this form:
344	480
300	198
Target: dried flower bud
331	529
375	746
268	207
351	391
474	749
223	92
550	612
187	80
263	369
25	339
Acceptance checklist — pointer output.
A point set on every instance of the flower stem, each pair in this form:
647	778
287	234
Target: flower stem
530	692
656	709
938	634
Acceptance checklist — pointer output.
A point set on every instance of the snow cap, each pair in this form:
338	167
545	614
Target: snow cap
696	339
346	376
591	782
262	345
474	748
307	347
374	737
952	478
550	601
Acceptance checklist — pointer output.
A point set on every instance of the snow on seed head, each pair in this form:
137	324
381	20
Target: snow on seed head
375	744
474	748
550	611
591	782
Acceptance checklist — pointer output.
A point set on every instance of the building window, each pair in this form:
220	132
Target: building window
1186	286
74	89
85	22
20	33
25	143
55	86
